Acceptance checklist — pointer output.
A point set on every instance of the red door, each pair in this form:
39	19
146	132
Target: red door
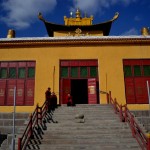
137	72
130	91
29	95
65	86
2	92
11	84
92	95
20	94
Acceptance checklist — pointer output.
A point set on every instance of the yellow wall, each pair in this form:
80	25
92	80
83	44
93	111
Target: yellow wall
109	61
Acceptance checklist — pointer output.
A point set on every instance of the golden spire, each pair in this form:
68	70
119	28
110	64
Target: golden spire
78	20
78	13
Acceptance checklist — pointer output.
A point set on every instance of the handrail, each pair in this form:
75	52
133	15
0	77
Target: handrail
127	116
38	114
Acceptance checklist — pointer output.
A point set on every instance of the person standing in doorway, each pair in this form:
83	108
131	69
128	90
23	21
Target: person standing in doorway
69	100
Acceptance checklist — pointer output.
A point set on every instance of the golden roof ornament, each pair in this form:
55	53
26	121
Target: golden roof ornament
145	31
78	32
78	13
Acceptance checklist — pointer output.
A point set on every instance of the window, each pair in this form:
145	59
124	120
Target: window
10	76
74	71
127	71
93	71
146	69
21	73
83	72
137	71
12	72
31	72
64	72
3	73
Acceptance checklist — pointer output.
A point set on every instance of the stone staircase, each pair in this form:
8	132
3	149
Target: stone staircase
101	129
6	127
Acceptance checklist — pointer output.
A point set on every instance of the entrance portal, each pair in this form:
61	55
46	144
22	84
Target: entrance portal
79	91
80	79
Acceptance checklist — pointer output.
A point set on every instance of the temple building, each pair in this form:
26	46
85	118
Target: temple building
78	57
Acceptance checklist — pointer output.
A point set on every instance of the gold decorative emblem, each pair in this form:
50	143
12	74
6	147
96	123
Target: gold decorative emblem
30	93
19	92
11	92
1	92
78	31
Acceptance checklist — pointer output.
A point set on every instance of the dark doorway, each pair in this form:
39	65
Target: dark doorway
79	91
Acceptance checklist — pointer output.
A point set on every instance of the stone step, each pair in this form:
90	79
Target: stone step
9	122
9	129
10	115
87	146
102	129
139	113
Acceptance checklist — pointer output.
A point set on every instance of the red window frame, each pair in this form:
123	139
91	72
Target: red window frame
24	86
135	86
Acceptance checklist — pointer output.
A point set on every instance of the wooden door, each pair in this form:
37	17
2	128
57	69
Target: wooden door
65	89
92	95
136	73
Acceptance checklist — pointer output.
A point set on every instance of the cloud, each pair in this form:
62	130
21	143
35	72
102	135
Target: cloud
132	31
95	6
20	14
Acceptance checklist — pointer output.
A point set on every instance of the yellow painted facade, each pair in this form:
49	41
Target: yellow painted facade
48	52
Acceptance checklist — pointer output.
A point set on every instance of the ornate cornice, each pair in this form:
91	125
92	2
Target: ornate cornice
74	41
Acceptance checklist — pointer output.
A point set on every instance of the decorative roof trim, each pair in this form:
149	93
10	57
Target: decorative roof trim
74	41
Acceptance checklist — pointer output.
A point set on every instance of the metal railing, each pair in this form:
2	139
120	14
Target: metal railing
126	116
35	119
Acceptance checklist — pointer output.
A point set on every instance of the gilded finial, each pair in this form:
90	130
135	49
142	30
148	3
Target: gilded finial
145	31
78	13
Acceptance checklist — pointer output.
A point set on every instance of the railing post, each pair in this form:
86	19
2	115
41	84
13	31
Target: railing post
148	144
132	126
46	103
19	143
110	96
121	115
125	113
107	98
30	128
37	114
115	105
41	114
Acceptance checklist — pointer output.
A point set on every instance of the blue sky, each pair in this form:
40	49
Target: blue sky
21	15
